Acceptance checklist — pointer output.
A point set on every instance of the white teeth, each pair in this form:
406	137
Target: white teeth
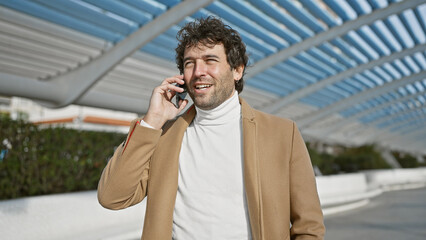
202	86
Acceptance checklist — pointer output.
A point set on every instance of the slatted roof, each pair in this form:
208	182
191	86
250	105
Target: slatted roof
350	72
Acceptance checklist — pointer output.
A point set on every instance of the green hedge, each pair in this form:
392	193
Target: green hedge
51	160
348	160
360	158
407	161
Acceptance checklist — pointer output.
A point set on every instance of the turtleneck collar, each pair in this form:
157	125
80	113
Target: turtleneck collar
225	112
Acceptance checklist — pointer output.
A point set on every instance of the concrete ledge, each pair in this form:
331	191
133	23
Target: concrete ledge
79	215
66	216
396	178
337	190
348	191
349	199
345	207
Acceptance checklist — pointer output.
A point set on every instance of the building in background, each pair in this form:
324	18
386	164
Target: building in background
72	116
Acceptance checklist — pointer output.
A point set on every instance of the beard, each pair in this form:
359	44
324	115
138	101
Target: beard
220	91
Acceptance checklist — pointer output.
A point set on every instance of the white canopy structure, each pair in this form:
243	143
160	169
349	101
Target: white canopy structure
348	72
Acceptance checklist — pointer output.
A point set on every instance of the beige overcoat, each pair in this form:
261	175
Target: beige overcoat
278	177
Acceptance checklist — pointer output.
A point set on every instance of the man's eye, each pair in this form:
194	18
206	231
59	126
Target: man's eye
211	60
187	64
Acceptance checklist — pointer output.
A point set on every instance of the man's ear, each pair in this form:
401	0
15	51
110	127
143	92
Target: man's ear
238	72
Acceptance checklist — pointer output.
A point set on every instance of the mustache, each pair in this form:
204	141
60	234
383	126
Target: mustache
201	80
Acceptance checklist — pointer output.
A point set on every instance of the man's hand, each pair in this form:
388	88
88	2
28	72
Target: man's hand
161	108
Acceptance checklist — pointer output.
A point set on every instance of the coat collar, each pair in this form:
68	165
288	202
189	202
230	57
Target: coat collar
247	111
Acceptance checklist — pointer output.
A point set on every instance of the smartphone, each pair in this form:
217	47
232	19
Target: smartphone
182	95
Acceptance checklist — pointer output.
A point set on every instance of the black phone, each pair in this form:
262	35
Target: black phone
182	95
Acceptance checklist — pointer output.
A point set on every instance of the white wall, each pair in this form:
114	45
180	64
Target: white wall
67	216
348	191
79	215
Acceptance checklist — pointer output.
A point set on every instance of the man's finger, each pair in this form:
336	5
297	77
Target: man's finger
176	79
182	104
171	88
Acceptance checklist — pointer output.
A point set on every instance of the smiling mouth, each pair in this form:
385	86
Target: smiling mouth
203	86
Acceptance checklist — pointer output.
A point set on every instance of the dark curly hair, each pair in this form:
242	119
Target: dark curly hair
209	32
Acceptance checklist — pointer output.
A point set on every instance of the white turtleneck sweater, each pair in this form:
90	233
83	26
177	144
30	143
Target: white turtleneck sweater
211	202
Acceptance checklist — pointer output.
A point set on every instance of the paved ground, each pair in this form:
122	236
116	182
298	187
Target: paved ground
397	215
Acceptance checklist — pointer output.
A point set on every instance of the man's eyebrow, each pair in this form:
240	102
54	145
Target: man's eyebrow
187	58
204	56
210	56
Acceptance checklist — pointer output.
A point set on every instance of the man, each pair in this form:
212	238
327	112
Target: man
221	170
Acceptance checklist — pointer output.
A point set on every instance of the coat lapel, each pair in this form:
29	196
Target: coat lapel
163	183
251	170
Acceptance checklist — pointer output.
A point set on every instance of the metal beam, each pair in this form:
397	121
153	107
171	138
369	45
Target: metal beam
420	144
404	112
336	107
408	140
380	134
418	147
95	98
392	140
72	85
334	32
412	127
13	85
47	92
335	126
381	120
411	139
280	103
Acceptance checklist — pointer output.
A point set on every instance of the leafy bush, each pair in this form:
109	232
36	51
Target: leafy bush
38	161
360	158
348	160
407	161
325	162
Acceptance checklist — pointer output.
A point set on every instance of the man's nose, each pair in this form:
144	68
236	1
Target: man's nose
200	68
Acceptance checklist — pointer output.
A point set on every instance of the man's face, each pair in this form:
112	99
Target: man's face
208	76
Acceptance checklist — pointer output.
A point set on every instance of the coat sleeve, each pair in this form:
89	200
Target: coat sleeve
124	180
305	209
